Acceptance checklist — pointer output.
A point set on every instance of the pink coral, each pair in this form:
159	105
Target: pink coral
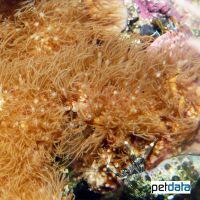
152	8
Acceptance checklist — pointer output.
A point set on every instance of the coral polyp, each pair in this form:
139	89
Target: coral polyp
112	14
75	84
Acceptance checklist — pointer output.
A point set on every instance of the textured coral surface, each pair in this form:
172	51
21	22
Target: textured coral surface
72	87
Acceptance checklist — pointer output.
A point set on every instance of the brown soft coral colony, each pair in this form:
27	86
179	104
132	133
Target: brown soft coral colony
71	86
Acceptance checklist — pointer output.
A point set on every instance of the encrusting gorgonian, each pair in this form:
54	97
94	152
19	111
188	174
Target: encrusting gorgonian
74	88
